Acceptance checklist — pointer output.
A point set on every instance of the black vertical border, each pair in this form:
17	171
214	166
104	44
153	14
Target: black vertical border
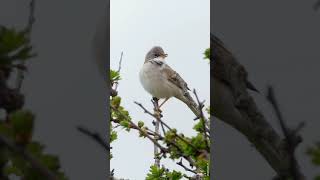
212	163
107	105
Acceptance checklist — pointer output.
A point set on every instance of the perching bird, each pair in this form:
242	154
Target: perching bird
161	81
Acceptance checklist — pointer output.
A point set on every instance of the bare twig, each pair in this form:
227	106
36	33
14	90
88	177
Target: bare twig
291	137
119	69
28	157
31	18
120	61
162	128
28	29
186	168
94	136
202	119
145	110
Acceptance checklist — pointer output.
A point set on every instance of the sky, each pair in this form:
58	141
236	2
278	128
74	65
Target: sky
181	28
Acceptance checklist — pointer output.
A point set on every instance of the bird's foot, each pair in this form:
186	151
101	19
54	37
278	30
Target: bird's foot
155	99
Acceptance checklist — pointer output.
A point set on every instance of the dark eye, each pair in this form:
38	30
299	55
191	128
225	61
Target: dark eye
156	55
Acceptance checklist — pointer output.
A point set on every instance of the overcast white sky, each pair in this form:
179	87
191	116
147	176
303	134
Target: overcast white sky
181	27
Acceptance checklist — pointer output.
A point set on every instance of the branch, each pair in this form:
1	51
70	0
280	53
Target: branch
202	120
157	113
27	30
292	139
120	61
31	18
35	164
233	105
95	137
119	69
149	132
186	168
163	150
166	125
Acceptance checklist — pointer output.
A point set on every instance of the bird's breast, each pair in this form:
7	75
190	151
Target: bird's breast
154	82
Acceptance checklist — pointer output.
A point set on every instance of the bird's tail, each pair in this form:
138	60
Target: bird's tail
193	106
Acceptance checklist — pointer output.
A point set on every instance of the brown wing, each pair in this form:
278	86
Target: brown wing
177	80
174	78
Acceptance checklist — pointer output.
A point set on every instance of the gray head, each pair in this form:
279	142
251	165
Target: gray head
155	52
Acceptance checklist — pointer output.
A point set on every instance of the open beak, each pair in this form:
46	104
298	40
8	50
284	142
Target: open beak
165	55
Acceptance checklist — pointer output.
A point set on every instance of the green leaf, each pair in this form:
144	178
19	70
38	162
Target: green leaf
114	75
35	148
314	153
15	43
199	127
207	54
115	102
174	175
113	136
22	121
140	124
155	173
9	170
51	161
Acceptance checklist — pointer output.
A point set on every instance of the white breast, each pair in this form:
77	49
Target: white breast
154	82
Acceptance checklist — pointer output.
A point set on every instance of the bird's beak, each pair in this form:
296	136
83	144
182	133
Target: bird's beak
165	55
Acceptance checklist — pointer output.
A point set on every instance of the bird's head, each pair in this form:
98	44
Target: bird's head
156	52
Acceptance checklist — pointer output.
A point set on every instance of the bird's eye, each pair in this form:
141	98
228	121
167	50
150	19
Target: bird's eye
156	55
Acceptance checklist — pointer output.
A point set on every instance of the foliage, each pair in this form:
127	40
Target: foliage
14	46
207	54
314	153
18	123
114	76
156	173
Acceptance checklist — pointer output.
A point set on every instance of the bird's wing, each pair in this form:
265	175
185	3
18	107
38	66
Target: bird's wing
174	78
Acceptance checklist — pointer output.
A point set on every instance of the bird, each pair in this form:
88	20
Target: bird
162	82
